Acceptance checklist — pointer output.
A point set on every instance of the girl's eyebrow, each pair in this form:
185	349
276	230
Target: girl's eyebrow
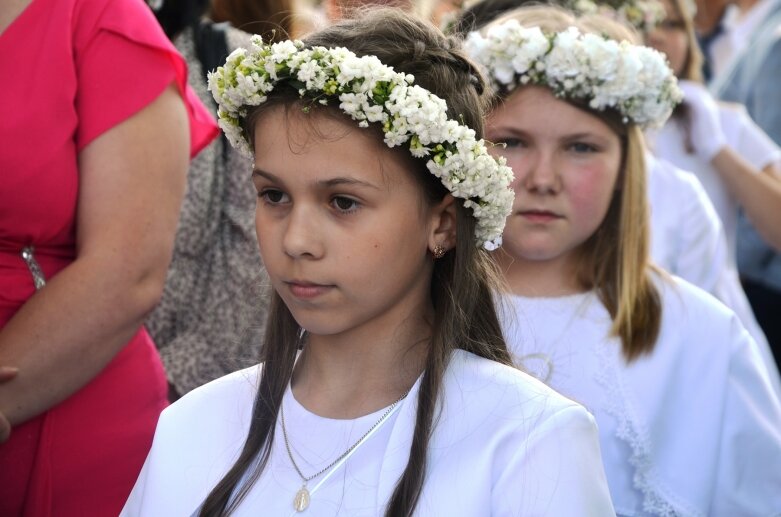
578	136
264	174
332	182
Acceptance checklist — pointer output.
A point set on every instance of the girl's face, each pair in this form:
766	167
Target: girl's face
566	163
341	222
670	38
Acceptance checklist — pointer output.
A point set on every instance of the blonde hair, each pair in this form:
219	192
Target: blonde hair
614	261
692	67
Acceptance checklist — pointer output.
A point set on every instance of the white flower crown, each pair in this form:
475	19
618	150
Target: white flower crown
369	91
632	79
643	15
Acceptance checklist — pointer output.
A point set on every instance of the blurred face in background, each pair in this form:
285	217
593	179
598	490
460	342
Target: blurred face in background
671	38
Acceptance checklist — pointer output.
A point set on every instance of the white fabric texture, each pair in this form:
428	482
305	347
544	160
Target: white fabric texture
692	429
504	444
687	238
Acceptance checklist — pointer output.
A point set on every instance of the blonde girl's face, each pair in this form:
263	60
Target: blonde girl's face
341	223
566	163
670	38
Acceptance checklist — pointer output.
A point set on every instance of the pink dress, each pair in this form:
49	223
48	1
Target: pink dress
72	69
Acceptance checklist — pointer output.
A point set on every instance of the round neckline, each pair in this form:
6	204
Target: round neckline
298	410
564	298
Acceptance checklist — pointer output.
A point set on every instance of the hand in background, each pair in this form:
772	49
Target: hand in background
6	374
706	132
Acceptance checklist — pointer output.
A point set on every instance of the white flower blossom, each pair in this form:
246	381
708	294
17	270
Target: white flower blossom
634	80
371	92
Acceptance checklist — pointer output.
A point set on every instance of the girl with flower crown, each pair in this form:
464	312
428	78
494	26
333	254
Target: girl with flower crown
689	424
386	385
698	251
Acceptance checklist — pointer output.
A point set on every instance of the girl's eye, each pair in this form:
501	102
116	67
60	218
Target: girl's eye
511	143
672	25
344	204
273	196
582	147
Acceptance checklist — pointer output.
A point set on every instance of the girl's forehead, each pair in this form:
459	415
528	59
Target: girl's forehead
317	148
536	109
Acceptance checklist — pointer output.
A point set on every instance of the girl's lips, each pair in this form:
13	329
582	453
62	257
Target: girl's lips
539	216
307	290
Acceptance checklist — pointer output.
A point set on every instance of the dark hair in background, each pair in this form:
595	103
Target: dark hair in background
268	18
464	281
482	13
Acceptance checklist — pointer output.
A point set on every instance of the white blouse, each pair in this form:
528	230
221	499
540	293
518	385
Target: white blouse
687	237
504	444
693	429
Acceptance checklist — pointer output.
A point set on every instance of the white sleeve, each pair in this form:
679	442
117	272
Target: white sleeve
159	490
747	138
197	440
702	258
557	471
748	480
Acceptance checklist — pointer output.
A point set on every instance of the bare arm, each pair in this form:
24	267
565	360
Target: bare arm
131	186
757	192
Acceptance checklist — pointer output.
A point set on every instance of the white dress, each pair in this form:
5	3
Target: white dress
694	429
504	444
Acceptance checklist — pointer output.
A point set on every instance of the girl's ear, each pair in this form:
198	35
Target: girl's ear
443	225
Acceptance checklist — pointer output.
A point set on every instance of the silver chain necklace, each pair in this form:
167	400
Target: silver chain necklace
301	501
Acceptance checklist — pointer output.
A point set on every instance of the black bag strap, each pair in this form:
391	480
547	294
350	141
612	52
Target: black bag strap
211	44
211	48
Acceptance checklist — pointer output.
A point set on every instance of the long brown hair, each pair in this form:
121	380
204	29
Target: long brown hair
614	261
463	284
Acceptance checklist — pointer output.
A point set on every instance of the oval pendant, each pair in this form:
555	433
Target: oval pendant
301	502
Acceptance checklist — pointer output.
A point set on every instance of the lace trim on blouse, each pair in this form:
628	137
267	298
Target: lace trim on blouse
656	499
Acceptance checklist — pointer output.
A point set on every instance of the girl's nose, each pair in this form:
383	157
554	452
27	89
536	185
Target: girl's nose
302	237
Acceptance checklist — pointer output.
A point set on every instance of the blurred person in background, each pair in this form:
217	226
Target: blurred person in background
211	314
751	78
737	163
98	131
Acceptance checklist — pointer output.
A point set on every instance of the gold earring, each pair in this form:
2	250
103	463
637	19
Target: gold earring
439	251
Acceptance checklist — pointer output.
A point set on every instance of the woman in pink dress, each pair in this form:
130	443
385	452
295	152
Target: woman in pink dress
94	145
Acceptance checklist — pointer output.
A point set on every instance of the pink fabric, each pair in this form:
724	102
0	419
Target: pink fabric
72	69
